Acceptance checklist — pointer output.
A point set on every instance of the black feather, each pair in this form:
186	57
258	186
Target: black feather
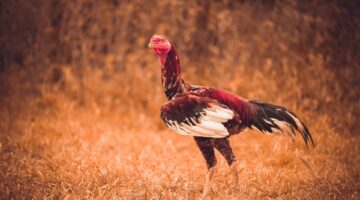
264	112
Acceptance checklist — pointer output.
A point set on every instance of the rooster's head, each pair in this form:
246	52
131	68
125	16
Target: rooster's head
160	44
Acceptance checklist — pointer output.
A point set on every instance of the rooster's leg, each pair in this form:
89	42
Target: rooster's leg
223	146
206	146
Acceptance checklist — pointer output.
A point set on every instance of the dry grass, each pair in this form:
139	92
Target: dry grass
55	148
80	96
77	156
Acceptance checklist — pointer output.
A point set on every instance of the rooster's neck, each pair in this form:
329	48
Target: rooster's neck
171	74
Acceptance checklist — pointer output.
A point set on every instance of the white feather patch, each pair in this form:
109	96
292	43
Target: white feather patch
267	121
297	121
209	123
284	126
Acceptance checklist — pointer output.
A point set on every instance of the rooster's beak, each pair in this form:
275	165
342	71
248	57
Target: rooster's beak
150	45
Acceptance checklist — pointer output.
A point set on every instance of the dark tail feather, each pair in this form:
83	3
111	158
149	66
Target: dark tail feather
269	118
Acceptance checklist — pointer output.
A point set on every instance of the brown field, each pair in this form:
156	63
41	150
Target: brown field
80	95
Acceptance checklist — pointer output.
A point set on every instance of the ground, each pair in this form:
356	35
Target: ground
69	152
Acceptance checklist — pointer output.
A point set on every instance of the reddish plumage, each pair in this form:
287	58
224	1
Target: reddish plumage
211	115
237	104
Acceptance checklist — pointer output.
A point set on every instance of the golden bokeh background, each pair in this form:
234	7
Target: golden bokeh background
80	95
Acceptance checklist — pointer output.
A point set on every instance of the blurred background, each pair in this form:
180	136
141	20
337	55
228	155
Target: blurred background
75	73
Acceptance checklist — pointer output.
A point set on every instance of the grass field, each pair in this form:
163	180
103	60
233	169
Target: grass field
52	147
80	94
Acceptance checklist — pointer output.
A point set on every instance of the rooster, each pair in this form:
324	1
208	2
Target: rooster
212	115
